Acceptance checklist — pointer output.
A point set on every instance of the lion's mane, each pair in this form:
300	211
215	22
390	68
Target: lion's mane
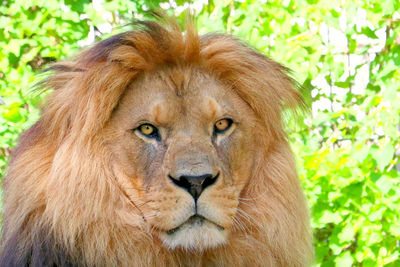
62	202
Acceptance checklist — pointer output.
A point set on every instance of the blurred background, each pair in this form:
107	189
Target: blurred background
346	54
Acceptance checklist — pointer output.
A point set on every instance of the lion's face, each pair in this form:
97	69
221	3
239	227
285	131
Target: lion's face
183	148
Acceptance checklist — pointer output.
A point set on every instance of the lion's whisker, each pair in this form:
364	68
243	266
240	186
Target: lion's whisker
242	226
151	215
249	199
248	218
246	204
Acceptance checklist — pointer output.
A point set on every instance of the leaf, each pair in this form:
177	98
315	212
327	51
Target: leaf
384	156
77	5
384	184
345	84
392	258
13	115
395	229
344	260
373	238
377	214
330	217
387	6
360	153
388	68
368	32
347	233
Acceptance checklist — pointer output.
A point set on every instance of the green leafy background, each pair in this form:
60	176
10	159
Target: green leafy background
345	54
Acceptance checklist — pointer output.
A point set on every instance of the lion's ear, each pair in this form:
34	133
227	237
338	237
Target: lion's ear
263	83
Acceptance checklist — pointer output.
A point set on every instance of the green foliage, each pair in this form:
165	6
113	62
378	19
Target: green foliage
348	149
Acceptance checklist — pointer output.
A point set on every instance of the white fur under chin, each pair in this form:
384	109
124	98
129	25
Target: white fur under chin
195	235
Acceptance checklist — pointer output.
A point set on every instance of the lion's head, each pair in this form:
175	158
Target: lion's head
184	148
158	148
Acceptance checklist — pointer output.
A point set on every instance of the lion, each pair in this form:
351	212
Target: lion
158	147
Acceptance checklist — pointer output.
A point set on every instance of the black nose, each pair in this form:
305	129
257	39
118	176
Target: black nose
195	185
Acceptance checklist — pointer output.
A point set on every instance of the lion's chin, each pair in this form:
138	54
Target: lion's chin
195	234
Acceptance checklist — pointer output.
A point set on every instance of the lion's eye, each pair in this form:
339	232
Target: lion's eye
222	125
148	130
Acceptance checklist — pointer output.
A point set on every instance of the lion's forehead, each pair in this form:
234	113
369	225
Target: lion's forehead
163	100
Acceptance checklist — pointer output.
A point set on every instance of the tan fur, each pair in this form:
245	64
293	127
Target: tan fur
80	173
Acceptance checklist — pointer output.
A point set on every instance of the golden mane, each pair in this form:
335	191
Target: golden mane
62	202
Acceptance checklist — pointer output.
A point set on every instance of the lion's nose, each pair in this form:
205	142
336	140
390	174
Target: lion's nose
195	185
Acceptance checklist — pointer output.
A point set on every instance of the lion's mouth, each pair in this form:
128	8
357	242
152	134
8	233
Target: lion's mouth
194	221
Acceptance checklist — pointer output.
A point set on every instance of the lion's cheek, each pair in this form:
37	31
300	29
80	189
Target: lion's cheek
242	163
219	205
